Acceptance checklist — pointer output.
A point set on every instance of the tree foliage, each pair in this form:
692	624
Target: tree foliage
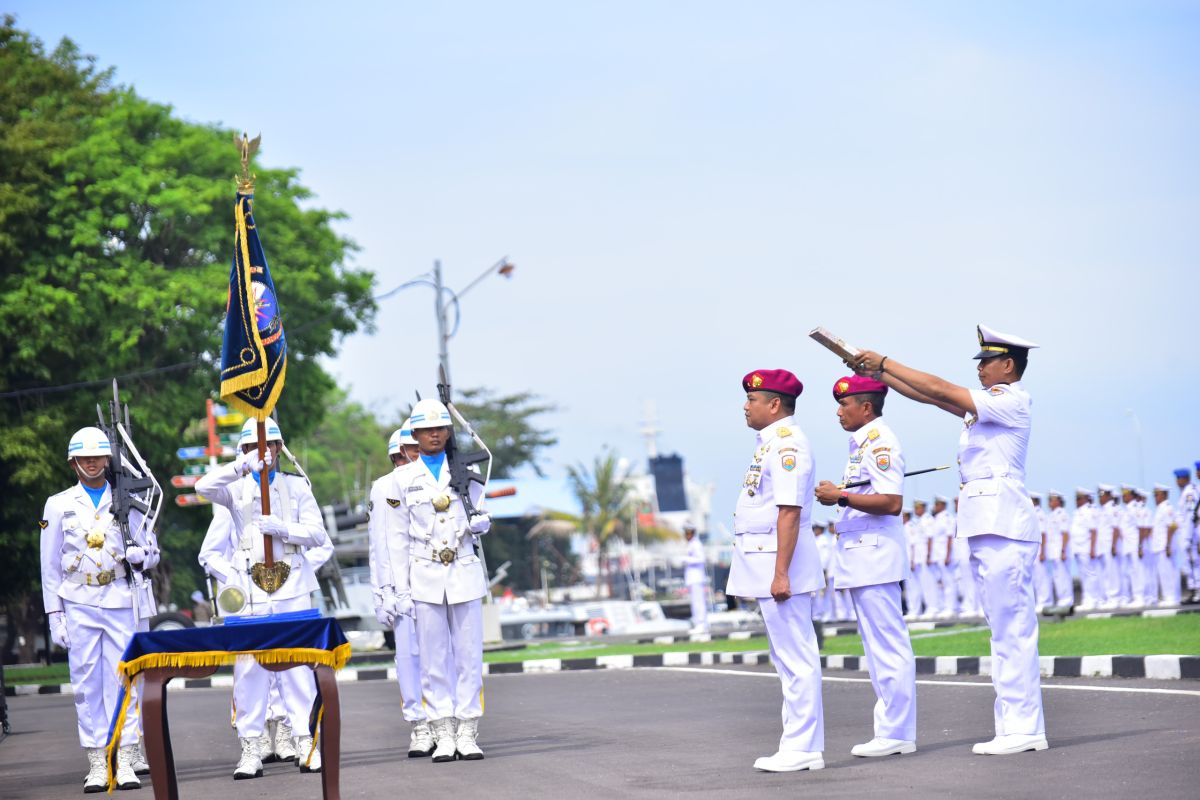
505	423
116	225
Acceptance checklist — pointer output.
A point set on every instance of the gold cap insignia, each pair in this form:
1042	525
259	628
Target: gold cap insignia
756	381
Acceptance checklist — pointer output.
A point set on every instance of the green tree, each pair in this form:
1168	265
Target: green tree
605	496
114	261
345	453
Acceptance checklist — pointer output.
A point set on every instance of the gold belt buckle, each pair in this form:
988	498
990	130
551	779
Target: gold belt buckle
105	577
446	555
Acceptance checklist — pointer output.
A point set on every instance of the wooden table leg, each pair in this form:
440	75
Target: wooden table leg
331	732
158	738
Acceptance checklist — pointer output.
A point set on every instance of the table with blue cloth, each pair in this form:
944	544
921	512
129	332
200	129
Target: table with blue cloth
279	642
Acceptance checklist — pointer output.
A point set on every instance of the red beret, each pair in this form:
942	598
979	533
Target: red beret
857	384
773	380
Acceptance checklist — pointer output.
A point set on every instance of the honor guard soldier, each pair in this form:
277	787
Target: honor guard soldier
90	600
996	515
1108	535
871	560
1084	546
402	449
439	577
1058	550
1042	589
295	525
1159	571
775	561
945	556
1183	553
914	594
696	579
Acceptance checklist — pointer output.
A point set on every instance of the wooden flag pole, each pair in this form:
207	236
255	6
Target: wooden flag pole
264	485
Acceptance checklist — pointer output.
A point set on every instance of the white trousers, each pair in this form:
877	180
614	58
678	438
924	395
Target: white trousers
1091	577
1004	577
914	592
1168	579
1043	588
950	588
450	638
890	660
1060	582
252	688
99	637
930	577
1112	578
699	595
408	668
793	645
1149	595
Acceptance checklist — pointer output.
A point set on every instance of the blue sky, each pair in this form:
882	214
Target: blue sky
688	188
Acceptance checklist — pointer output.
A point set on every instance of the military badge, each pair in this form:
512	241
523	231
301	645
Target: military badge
393	503
756	381
441	502
882	450
883	461
789	463
95	539
843	386
42	523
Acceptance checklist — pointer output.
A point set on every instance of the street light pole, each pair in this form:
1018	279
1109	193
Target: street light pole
1137	427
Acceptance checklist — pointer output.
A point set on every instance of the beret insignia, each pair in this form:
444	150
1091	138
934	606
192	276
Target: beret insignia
756	381
42	523
843	386
393	503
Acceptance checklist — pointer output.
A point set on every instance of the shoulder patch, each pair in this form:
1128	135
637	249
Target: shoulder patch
42	523
883	461
996	390
783	450
782	432
789	463
872	434
882	450
393	503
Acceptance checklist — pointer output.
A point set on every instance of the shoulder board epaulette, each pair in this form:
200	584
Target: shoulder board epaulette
872	434
783	432
996	390
393	503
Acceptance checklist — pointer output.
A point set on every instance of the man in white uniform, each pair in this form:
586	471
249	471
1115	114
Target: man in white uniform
931	596
295	524
696	579
1085	548
402	449
90	602
1042	588
995	512
1182	552
871	560
913	597
1058	525
823	600
439	578
1159	571
944	555
1108	535
775	561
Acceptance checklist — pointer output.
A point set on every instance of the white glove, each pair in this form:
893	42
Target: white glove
401	605
135	555
248	462
273	525
384	615
480	523
268	459
58	630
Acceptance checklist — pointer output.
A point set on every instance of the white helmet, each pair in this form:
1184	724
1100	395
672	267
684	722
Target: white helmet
250	432
429	414
88	442
401	436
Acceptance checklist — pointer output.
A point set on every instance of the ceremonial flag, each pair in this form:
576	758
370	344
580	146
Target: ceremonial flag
254	354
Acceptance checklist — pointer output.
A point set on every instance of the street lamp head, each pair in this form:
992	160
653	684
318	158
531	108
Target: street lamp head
507	268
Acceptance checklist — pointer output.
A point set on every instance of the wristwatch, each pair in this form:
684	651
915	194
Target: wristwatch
844	499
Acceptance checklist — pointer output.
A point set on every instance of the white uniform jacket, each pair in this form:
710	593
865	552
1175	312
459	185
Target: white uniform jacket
432	553
693	569
378	554
1083	522
1107	521
232	546
991	465
1185	515
91	574
1057	523
872	548
1164	518
781	474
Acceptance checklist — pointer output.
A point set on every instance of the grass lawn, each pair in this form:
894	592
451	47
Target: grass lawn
54	674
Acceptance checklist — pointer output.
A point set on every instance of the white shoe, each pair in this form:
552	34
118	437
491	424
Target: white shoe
249	765
790	761
126	777
880	746
140	765
307	756
97	777
285	746
464	740
266	750
1011	743
443	735
420	744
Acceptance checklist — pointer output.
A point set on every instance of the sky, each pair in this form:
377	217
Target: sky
688	188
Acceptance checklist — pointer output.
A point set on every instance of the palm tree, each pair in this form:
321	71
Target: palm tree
604	495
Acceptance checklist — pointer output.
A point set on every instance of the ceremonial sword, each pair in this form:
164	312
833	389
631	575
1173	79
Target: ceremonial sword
856	484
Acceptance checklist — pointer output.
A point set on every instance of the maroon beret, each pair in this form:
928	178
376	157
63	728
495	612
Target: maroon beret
857	384
773	380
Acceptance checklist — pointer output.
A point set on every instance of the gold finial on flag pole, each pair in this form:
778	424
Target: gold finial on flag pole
247	147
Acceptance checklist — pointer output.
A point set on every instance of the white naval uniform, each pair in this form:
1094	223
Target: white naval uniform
945	555
385	503
914	593
1091	578
782	474
1058	523
90	586
228	552
1042	588
1160	572
447	596
1183	551
1108	532
823	600
696	580
871	560
996	515
931	568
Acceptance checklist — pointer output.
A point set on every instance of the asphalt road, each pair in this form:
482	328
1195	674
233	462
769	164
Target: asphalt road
663	732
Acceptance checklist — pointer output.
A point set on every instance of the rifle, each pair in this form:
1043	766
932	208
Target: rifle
133	485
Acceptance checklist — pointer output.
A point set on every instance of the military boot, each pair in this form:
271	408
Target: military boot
464	740
307	755
126	777
249	765
97	777
443	734
420	744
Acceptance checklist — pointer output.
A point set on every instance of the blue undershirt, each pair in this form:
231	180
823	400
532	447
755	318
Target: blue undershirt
434	464
96	494
258	478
